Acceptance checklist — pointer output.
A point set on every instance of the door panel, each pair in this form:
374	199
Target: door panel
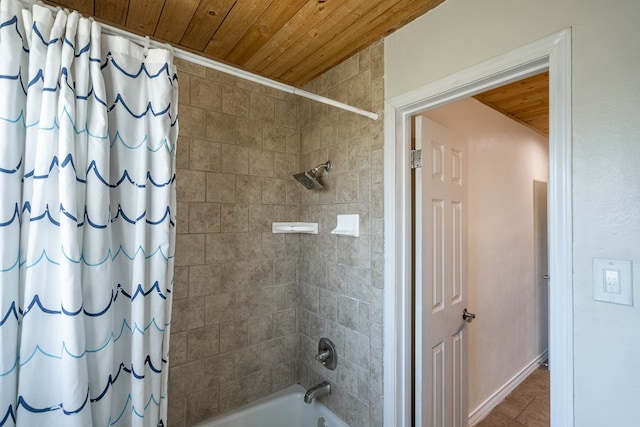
439	375
440	285
460	415
457	234
438	255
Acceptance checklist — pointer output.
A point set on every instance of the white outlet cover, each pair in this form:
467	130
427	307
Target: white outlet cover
612	281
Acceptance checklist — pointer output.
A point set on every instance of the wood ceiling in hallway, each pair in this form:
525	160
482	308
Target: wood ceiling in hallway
525	101
291	41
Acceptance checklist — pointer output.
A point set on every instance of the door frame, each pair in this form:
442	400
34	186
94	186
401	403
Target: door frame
551	53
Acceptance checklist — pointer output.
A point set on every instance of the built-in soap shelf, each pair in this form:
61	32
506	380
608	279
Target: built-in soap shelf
348	225
294	227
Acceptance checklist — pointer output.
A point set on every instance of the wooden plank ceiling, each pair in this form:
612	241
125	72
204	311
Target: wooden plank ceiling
291	41
526	101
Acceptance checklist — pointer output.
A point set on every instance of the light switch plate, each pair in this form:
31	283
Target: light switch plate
612	281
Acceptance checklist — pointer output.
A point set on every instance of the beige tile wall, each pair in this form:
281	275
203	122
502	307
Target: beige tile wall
341	277
250	306
234	329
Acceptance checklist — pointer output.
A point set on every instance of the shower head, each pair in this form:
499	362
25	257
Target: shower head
310	179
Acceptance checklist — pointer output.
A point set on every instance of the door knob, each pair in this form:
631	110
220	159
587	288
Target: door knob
467	316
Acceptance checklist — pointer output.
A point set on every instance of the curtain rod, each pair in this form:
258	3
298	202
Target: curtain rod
210	63
228	69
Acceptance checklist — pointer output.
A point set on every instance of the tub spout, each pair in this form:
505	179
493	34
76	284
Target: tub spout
322	389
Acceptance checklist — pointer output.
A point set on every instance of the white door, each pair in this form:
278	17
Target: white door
440	282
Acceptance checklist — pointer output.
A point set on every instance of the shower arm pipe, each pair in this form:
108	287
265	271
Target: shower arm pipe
326	165
228	69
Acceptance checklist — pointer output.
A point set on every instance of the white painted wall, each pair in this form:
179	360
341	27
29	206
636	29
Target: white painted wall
504	158
606	156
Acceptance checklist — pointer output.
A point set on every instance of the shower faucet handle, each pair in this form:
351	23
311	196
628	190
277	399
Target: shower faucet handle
323	356
327	354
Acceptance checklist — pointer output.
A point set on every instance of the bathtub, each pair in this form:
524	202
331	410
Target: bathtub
285	408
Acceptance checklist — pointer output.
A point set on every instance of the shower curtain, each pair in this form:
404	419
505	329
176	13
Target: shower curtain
88	126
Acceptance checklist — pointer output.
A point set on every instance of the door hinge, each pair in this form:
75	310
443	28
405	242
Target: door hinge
416	159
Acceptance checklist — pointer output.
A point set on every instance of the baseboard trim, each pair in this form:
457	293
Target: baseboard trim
494	400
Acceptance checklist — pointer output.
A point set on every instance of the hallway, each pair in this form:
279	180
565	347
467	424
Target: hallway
527	405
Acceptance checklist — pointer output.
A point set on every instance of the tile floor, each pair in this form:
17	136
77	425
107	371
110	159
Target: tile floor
527	405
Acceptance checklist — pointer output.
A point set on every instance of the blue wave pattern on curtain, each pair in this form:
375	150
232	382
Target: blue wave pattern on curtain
88	127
